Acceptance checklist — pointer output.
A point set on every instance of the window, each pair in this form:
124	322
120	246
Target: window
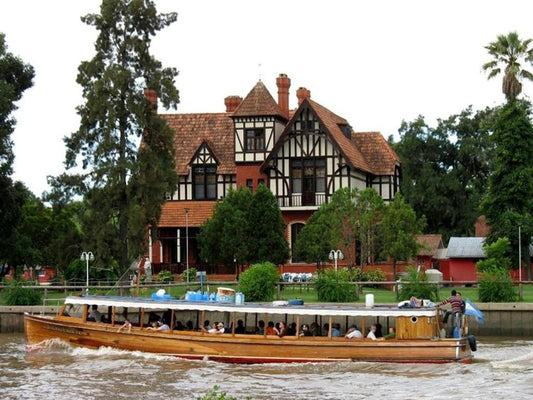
254	139
250	184
205	182
309	175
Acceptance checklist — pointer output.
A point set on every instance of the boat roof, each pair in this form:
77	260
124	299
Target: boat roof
254	308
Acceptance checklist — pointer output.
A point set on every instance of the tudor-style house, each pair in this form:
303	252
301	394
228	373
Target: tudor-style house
302	155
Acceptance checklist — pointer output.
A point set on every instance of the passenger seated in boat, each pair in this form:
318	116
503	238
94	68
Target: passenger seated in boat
167	317
336	330
270	328
160	326
379	333
314	329
94	315
353	333
240	327
260	330
126	325
291	329
281	330
372	333
305	330
189	325
326	329
178	326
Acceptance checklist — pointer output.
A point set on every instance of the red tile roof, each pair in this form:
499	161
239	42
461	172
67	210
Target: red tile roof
259	102
173	213
191	130
377	151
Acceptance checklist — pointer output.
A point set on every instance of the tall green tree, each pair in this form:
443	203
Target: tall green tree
510	52
508	202
399	228
244	229
124	179
370	208
224	237
445	169
15	78
266	229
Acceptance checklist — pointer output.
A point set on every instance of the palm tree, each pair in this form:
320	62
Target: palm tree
509	50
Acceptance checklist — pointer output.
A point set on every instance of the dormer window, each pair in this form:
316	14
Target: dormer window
254	139
205	182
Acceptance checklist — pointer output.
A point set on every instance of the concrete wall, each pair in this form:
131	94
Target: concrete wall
501	319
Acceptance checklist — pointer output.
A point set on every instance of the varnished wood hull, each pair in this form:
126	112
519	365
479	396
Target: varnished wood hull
244	348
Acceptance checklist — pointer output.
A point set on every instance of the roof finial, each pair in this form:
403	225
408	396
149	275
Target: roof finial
259	67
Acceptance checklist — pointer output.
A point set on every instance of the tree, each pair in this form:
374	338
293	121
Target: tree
266	239
399	228
370	207
224	237
445	169
258	282
244	229
15	78
124	183
508	203
509	50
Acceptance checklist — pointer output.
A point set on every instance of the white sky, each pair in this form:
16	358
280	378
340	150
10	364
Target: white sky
374	63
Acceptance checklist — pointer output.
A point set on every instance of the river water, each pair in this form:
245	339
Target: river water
502	369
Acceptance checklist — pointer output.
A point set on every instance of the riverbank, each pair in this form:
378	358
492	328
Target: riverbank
501	319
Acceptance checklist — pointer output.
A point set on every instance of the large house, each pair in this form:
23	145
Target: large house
302	155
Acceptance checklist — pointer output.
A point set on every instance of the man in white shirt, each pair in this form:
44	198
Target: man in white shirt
353	333
372	333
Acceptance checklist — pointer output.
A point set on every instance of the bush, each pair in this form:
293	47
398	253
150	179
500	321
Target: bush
496	286
334	286
258	282
374	275
192	275
415	284
18	295
165	277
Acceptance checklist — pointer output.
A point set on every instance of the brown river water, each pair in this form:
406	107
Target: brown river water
502	369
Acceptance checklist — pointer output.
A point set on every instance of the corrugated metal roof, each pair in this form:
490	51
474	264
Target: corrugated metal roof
466	247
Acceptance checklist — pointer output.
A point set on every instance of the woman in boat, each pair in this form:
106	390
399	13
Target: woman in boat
305	330
126	325
282	330
270	330
353	333
372	333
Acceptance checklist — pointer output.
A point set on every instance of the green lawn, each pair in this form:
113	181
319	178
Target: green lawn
304	292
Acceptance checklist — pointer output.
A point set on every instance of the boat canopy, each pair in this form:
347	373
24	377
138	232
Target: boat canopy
252	308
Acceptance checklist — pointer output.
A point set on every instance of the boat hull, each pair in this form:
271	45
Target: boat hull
245	348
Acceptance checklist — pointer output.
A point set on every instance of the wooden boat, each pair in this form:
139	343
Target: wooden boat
417	331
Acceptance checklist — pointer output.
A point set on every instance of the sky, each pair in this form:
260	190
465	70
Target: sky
375	63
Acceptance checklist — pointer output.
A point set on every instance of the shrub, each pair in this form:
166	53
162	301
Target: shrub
415	284
496	286
165	277
374	275
334	286
258	282
192	275
215	395
17	295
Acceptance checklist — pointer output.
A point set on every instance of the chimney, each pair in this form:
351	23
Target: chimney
302	94
151	96
284	83
232	102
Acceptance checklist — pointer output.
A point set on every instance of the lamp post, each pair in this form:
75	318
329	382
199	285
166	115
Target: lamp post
87	255
336	255
187	244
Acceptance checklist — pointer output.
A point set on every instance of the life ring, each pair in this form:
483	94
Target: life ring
472	342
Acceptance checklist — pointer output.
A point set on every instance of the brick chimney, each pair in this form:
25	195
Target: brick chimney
151	96
302	94
232	102
284	83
